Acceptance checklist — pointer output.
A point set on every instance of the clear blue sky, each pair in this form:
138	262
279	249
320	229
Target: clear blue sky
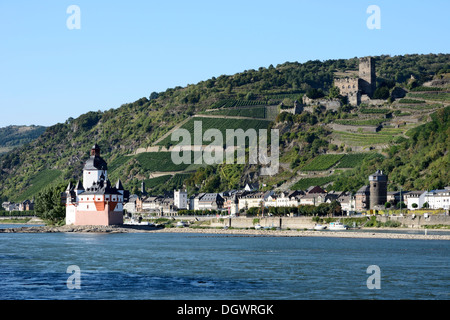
124	50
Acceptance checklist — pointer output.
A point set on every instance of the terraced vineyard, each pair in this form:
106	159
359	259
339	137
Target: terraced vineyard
353	160
435	96
256	112
384	136
305	183
160	162
322	162
231	103
220	124
39	182
366	122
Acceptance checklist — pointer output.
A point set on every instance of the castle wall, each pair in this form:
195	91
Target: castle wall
103	218
353	129
347	85
70	214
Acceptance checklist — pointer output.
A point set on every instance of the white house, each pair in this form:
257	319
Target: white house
271	201
254	199
438	199
347	202
414	197
313	199
289	198
208	201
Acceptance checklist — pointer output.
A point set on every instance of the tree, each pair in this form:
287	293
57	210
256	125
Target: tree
315	93
49	206
334	92
387	205
401	205
415	205
381	93
154	95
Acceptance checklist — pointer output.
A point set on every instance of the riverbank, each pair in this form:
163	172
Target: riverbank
368	233
373	233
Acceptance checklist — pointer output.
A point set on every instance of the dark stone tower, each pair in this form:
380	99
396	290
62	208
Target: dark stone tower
367	77
378	189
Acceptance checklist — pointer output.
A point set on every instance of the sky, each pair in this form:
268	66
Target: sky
57	63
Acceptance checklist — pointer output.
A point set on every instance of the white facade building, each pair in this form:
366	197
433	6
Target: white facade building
180	199
414	197
438	199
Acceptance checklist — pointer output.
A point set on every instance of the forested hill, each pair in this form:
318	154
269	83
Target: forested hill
128	134
15	136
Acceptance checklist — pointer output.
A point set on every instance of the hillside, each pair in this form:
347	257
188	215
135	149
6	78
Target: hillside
314	145
16	136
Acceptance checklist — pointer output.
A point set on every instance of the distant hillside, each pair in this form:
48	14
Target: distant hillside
15	136
133	138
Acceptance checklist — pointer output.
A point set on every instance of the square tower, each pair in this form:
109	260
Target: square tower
367	77
180	199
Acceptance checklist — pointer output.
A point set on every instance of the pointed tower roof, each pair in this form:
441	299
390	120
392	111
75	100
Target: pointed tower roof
79	186
119	185
70	186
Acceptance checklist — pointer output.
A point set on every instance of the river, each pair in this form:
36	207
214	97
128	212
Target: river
224	267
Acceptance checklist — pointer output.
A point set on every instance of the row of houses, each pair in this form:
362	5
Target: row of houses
26	205
235	201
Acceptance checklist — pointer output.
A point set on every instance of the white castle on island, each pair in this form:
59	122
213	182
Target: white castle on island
96	201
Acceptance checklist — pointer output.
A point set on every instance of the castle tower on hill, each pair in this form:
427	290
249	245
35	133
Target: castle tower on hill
96	201
367	77
365	84
378	189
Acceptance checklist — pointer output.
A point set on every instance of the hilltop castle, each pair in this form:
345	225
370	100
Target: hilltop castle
95	202
355	88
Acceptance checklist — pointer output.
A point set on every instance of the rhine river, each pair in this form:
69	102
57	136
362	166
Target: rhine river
182	266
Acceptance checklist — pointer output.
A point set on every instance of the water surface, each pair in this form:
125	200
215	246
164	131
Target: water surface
222	267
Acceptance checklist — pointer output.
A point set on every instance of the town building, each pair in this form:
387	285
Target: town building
180	199
209	201
362	198
438	199
289	199
254	199
159	205
414	199
96	201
